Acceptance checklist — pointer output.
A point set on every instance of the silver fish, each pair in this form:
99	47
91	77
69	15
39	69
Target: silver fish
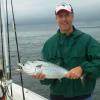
51	71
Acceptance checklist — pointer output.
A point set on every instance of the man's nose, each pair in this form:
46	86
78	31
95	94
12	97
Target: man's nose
64	18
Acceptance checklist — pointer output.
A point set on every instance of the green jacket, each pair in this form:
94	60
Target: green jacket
78	49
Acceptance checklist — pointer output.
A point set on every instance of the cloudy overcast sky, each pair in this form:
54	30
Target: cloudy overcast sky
42	11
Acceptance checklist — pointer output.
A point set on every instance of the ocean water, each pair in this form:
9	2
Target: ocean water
31	39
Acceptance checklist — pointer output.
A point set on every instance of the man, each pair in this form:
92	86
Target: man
77	52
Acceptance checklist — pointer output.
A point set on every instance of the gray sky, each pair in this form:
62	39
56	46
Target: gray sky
42	11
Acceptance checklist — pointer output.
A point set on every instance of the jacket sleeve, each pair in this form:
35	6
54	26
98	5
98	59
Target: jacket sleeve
92	65
45	57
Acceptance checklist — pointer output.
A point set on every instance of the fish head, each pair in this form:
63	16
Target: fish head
31	67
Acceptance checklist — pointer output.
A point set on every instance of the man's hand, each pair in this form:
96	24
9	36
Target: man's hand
39	76
74	73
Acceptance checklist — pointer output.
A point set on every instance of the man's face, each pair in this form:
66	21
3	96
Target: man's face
64	20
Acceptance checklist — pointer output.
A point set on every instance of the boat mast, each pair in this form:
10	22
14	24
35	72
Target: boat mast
5	39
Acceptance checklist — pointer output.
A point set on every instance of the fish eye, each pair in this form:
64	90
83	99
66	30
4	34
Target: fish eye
32	61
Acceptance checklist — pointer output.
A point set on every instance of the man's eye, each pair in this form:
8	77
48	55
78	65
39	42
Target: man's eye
60	16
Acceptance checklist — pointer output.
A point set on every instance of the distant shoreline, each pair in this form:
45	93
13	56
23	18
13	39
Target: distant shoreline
80	26
88	26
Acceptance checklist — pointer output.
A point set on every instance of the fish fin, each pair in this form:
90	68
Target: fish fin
82	80
60	80
39	59
39	69
39	66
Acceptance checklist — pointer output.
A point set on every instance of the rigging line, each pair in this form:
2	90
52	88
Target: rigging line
17	49
2	46
10	74
15	32
2	42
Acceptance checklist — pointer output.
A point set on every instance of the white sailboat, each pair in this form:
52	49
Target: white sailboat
17	93
7	83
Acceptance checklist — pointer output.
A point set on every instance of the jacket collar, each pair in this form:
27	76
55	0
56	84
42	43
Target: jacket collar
76	33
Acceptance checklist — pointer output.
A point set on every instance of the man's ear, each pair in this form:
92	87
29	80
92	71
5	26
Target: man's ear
73	16
56	17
